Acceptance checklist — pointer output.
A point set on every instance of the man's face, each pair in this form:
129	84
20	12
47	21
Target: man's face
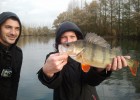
9	32
69	36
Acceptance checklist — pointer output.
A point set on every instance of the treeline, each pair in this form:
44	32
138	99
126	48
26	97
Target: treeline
119	18
29	31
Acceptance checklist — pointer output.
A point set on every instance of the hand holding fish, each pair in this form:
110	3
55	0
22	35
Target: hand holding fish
118	63
54	63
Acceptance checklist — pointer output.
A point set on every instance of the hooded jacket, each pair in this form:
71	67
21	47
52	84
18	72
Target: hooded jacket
71	83
64	27
10	64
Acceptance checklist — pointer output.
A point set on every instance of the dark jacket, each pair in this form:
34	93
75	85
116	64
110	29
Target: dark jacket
71	83
11	61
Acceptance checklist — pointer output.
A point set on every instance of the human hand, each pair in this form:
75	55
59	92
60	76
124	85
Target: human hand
54	63
118	63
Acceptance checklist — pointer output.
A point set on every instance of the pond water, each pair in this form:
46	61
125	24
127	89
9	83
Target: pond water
120	86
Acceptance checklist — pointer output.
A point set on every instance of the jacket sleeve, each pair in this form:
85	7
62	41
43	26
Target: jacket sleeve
18	63
94	78
52	82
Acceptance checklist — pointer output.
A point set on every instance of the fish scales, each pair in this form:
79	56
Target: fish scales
94	54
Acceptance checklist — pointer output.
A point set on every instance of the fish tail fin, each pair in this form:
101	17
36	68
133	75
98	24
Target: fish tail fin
133	63
133	66
85	67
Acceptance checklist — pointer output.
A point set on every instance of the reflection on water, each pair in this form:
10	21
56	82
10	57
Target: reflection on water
34	53
121	85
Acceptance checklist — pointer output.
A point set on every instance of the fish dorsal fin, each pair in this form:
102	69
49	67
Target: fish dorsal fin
95	39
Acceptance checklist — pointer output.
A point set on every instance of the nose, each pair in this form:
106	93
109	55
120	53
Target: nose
13	31
69	39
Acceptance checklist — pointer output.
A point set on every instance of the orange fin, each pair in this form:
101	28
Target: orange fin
85	67
133	68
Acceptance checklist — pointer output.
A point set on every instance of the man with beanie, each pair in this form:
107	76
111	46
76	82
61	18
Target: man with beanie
65	76
10	55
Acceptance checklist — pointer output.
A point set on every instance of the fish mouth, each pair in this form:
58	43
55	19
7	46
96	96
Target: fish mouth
61	48
72	53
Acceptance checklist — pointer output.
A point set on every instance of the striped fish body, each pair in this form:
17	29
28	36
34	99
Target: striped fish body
94	51
89	53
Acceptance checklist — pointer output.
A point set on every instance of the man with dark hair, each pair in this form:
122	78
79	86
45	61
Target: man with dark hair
10	55
65	76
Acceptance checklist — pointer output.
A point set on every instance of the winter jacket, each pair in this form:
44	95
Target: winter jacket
71	83
10	65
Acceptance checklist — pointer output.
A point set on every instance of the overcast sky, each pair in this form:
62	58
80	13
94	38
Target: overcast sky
36	12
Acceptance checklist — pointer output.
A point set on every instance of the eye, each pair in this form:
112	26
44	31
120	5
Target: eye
17	29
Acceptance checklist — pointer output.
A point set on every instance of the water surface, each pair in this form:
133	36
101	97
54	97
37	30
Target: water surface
120	86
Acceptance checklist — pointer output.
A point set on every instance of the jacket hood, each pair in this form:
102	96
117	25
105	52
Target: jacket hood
6	15
64	27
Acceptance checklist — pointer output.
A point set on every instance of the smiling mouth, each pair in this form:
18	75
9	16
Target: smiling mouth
12	38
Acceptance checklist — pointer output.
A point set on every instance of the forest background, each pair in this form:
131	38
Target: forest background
111	18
